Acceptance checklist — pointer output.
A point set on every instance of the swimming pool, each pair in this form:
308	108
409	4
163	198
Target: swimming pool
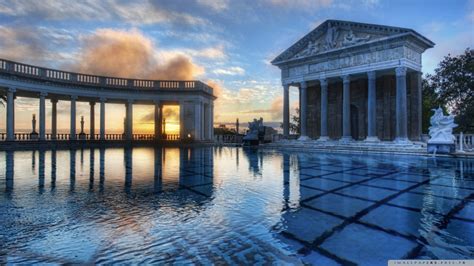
232	205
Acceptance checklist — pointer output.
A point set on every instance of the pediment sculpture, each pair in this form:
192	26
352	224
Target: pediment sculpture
350	39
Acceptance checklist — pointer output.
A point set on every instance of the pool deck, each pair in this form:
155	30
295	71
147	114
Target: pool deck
385	147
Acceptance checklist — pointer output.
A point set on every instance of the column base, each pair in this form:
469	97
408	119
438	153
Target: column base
324	138
402	141
304	138
372	139
346	139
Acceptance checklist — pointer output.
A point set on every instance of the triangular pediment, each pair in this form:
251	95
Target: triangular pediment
336	34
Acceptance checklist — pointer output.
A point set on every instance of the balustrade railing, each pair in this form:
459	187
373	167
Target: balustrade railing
79	137
46	74
228	138
464	142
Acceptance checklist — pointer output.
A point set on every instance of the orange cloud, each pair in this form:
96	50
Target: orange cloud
130	54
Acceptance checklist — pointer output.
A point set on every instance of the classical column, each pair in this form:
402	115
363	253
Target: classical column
303	111
346	109
129	120
324	110
286	110
197	120
211	120
92	120
158	119
11	114
54	118
419	104
182	132
371	108
42	116
401	105
102	118
72	133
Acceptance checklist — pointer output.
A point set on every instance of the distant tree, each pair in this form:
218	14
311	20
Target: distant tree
223	131
431	101
452	85
294	122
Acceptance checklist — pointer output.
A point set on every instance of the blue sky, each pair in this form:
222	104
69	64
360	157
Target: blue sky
228	43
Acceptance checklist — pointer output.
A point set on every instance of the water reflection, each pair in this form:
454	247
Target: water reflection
191	203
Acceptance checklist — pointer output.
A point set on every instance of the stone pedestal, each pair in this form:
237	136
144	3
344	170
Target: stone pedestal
443	148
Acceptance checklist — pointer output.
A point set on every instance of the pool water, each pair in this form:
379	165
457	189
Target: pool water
232	206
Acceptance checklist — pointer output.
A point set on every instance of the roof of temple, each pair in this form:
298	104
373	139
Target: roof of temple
335	35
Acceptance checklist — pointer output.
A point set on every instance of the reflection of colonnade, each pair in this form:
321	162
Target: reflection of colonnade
196	169
194	98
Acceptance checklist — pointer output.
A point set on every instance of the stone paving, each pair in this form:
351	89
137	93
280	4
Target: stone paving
351	213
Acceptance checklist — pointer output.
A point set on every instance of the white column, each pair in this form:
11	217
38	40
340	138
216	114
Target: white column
11	114
197	120
211	120
324	110
286	110
129	119
303	111
92	120
72	132
346	109
102	118
158	119
42	116
54	119
401	105
371	107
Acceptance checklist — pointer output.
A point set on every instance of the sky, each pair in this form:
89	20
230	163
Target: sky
226	43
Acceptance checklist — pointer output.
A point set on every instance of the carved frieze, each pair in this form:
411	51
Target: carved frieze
357	60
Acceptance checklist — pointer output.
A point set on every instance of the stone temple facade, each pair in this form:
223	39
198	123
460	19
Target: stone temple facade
357	81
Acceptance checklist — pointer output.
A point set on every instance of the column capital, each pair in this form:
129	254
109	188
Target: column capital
11	89
73	97
130	101
286	86
371	75
92	103
43	94
346	78
102	99
323	82
54	100
401	71
157	102
303	84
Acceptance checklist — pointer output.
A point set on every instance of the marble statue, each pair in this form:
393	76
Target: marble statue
441	139
441	129
33	134
351	39
331	36
258	133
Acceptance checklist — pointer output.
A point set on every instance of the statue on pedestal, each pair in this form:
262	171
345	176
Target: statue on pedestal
258	133
82	135
442	139
33	134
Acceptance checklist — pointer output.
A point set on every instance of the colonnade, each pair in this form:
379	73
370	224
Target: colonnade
201	129
401	134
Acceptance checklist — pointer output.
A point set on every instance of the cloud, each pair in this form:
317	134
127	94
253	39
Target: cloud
133	12
216	5
300	4
275	110
129	54
231	71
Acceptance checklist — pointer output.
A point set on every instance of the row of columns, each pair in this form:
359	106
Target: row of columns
42	117
401	108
